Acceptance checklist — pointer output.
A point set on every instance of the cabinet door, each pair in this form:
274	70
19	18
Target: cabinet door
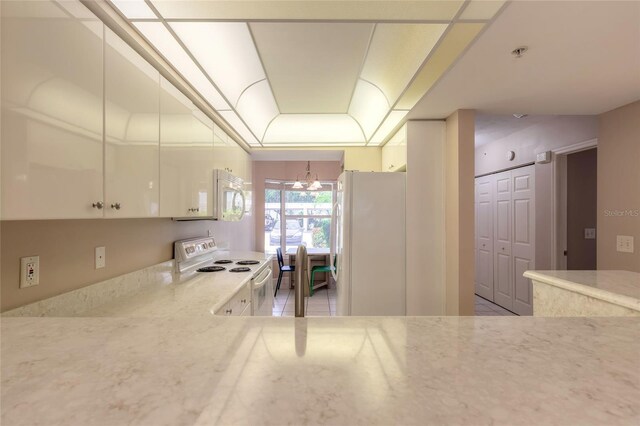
503	282
484	233
223	150
523	241
132	120
186	156
394	152
52	111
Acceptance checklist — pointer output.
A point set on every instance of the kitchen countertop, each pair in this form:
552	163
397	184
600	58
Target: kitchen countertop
192	295
354	370
617	287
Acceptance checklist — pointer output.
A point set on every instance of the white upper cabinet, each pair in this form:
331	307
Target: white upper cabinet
52	111
132	129
186	156
394	152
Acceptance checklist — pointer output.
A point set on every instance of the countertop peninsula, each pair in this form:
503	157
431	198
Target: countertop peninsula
338	371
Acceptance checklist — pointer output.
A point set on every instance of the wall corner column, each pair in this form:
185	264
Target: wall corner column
459	213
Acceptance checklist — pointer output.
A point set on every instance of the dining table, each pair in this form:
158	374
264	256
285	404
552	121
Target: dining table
315	256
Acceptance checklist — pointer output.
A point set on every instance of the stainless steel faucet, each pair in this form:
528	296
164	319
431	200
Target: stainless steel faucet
301	266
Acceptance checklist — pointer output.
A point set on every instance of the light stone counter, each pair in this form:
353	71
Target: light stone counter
337	371
585	293
151	292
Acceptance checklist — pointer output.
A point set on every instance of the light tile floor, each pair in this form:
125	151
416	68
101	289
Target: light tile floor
484	308
321	304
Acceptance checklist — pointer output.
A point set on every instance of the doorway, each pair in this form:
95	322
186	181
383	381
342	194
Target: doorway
576	190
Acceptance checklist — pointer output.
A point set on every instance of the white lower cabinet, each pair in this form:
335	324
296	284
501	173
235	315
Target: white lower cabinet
132	120
239	304
505	238
186	156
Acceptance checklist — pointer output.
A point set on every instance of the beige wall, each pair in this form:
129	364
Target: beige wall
582	181
619	186
547	135
425	218
284	170
459	213
67	250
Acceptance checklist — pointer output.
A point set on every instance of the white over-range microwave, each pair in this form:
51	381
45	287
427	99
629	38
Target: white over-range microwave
229	201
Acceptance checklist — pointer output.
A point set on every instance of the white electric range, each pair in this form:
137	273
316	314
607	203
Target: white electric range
202	256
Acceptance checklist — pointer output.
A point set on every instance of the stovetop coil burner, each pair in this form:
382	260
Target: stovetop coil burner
223	262
211	269
243	269
248	262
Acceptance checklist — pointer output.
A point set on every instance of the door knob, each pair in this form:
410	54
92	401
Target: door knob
115	206
98	205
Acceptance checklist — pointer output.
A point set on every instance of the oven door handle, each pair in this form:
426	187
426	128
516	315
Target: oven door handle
261	282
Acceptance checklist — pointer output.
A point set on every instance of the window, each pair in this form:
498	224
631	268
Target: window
306	219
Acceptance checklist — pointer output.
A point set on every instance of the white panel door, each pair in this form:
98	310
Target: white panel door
52	75
484	233
186	156
503	282
523	240
132	121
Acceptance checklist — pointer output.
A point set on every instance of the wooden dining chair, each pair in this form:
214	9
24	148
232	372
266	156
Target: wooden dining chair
283	268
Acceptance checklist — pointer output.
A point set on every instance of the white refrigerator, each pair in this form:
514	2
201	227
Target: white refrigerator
369	244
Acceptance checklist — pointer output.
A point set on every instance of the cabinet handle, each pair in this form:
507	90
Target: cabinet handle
98	205
243	301
115	206
228	311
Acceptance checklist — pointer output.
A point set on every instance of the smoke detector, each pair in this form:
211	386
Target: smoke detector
518	52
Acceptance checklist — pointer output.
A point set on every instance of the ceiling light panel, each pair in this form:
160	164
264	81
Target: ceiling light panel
481	9
369	10
368	106
167	46
134	9
226	52
389	124
318	129
396	53
242	130
258	107
453	44
312	67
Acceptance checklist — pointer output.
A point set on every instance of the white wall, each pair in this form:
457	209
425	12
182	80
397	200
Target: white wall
425	218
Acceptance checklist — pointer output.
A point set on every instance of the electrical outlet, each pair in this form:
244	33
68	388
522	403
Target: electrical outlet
101	257
29	271
624	243
589	233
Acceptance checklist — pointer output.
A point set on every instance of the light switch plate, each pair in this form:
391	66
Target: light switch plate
29	271
101	257
589	233
624	243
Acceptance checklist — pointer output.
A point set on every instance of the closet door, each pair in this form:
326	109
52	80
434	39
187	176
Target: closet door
484	233
503	282
523	246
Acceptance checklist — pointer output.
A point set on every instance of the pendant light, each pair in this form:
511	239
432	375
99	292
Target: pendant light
311	184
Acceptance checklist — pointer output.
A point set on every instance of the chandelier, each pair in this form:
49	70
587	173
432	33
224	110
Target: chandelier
312	185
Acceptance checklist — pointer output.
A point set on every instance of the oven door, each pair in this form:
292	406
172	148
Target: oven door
232	203
262	293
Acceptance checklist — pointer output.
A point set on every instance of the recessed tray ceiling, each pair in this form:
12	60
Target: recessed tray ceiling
310	73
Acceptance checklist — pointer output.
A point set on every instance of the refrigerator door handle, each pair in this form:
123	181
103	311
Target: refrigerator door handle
334	236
